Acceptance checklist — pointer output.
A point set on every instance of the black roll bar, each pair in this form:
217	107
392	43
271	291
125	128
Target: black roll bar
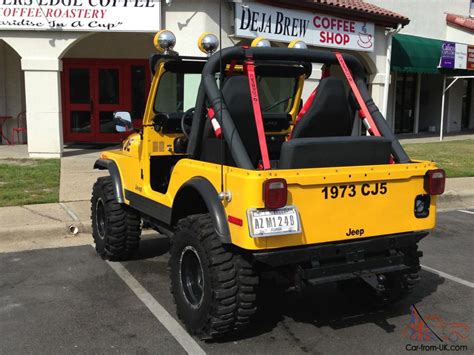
226	55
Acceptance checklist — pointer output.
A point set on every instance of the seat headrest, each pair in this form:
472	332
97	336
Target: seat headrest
330	113
236	94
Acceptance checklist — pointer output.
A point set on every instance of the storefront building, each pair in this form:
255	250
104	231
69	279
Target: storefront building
69	64
434	54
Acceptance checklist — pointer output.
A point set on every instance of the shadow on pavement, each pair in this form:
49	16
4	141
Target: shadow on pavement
321	306
151	246
328	305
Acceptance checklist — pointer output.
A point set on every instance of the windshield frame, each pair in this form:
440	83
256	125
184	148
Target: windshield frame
181	68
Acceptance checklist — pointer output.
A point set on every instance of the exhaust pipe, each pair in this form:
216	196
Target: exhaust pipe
73	229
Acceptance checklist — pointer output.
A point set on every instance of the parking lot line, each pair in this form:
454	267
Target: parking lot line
448	276
464	211
176	330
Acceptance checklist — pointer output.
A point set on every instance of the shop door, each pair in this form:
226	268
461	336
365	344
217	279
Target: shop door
405	103
94	89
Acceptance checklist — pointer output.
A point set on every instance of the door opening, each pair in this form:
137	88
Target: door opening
92	90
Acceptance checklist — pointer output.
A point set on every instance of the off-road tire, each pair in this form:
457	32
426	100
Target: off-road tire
116	228
229	281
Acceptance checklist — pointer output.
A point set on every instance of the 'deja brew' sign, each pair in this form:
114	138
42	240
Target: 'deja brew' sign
80	15
284	25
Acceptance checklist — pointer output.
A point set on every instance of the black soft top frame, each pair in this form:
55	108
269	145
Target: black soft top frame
211	93
190	64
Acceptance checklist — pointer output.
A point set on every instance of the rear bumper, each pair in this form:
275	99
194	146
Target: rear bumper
339	261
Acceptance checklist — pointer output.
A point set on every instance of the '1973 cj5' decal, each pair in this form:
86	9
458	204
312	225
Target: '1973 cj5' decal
341	191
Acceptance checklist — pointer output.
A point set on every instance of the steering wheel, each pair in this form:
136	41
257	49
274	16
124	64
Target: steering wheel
186	126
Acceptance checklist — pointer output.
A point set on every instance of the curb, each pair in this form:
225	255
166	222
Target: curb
455	200
43	231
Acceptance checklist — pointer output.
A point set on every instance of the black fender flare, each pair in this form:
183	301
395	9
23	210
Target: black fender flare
111	166
210	196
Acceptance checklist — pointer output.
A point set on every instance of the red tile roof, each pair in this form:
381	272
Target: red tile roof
348	8
465	22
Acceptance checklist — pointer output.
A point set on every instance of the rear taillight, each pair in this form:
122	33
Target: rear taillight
275	193
435	181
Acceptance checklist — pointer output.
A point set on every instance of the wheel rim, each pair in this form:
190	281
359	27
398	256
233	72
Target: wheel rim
100	216
191	276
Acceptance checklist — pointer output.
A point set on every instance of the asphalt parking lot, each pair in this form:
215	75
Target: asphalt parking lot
67	300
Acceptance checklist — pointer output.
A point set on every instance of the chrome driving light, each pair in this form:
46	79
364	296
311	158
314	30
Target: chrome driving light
164	41
298	44
261	42
208	43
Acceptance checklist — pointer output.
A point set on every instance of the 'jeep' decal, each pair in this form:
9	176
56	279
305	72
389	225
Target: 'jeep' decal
357	232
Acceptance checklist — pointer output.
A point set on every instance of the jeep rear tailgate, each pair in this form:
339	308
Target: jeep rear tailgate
334	204
357	202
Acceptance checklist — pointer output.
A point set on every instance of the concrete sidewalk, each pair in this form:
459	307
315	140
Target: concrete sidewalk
78	174
432	138
458	194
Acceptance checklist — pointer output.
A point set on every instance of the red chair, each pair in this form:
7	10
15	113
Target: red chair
20	126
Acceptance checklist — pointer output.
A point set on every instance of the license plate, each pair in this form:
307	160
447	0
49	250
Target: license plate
267	223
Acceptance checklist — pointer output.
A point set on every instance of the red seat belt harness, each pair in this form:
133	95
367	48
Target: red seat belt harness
249	68
211	114
215	124
364	113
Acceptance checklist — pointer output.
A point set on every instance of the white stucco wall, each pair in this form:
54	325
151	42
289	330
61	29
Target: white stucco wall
427	17
113	45
455	34
189	19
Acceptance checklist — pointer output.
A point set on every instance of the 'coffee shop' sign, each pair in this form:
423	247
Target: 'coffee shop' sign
284	25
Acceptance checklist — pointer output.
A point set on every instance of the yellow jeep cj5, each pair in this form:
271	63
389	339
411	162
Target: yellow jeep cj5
246	179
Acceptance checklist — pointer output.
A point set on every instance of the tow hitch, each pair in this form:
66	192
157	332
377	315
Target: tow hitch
377	282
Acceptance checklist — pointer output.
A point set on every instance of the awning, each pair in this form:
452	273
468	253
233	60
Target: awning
412	54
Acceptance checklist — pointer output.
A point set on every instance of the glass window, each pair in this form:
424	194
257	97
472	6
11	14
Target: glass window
108	86
177	92
80	122
106	120
276	94
79	86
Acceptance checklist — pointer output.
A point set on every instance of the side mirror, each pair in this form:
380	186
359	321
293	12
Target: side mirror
123	121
